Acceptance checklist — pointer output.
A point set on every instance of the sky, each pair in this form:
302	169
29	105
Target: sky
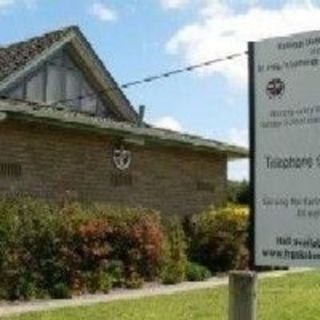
139	38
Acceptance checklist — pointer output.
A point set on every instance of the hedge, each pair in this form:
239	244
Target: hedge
51	250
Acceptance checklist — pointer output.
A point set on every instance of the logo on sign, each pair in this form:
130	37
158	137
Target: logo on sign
121	158
275	88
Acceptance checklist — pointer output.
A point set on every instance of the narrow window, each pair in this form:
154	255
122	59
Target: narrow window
10	170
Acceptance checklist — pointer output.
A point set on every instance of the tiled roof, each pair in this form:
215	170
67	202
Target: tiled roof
18	55
13	109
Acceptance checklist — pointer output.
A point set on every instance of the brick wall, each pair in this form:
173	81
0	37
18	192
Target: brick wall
54	161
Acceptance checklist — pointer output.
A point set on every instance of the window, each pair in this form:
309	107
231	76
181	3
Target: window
10	170
121	180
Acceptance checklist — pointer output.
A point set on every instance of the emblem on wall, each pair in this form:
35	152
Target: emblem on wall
121	158
275	88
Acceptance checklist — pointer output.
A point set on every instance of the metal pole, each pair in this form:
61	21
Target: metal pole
251	235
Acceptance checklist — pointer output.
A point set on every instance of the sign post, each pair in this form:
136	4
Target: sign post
285	149
242	295
243	285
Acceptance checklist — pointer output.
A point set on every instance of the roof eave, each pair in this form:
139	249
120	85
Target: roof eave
130	135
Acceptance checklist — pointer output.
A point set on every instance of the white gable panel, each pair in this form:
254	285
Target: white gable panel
54	85
101	109
17	92
35	87
89	101
73	88
57	60
63	81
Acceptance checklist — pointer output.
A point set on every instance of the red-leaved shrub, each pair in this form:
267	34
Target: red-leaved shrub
48	249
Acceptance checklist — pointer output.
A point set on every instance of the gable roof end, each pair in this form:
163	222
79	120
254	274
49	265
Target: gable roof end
16	59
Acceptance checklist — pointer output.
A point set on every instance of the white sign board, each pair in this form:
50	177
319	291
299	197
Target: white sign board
285	106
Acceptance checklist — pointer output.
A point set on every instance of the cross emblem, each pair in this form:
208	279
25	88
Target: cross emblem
121	158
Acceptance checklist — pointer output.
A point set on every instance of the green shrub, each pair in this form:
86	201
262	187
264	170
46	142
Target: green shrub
134	281
28	244
175	258
105	282
171	274
60	291
20	286
197	272
219	237
98	281
115	270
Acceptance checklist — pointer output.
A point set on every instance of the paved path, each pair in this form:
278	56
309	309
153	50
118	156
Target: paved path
7	309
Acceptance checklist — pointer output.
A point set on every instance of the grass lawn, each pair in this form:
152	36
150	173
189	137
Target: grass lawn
293	297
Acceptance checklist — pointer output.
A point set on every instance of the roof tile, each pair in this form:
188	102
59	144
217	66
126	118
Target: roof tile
18	55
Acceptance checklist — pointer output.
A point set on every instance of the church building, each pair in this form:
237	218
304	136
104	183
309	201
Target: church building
66	127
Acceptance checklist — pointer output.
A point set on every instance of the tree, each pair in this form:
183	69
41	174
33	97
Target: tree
238	192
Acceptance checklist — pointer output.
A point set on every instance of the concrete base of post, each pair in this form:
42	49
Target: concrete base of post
242	295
